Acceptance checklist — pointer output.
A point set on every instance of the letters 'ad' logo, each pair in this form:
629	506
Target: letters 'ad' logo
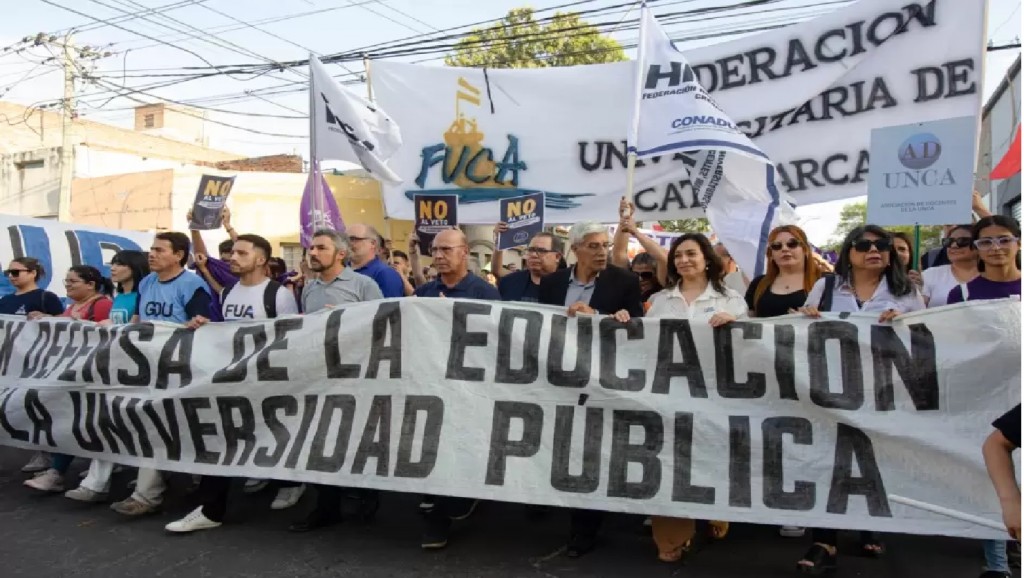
920	151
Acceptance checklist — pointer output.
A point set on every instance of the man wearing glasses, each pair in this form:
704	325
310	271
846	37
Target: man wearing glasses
543	256
365	259
590	287
450	251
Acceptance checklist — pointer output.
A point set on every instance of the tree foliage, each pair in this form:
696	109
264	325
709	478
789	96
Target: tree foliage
856	214
700	225
521	42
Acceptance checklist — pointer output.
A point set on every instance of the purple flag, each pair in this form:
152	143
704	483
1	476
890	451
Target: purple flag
308	216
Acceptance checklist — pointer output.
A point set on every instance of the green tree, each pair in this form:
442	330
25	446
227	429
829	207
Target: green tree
519	41
856	214
686	225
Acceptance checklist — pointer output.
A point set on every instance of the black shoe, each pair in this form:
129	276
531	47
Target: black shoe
315	520
995	574
435	532
580	545
460	509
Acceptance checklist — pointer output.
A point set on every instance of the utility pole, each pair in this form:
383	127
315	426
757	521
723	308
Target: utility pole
67	143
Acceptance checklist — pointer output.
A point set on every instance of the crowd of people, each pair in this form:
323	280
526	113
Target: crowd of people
693	279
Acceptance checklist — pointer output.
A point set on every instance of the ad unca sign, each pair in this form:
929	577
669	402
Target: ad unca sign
808	94
785	421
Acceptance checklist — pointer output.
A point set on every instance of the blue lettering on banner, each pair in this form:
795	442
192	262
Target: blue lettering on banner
156	309
702	120
83	247
238	311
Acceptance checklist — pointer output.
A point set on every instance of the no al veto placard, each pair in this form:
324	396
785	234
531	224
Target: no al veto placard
59	246
808	94
781	421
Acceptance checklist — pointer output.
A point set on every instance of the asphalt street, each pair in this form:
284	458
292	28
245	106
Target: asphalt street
49	536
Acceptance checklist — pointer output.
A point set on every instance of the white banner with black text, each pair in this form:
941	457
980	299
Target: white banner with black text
782	421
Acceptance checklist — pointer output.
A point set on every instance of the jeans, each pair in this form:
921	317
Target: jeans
995	555
61	463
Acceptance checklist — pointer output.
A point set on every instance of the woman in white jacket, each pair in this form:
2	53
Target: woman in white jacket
695	292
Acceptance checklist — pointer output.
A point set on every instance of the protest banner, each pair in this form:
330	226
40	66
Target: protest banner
807	94
434	213
787	420
524	217
922	173
211	198
59	246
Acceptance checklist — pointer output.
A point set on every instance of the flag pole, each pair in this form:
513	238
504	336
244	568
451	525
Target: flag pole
314	166
634	129
369	96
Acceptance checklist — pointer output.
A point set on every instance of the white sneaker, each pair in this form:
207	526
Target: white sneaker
48	481
40	462
791	532
254	486
82	494
192	522
287	497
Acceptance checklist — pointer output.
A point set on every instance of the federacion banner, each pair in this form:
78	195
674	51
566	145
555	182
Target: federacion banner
782	421
807	94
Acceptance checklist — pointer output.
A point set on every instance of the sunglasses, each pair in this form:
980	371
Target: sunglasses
959	242
864	245
790	244
646	274
15	272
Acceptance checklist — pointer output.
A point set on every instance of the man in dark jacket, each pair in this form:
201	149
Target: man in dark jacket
590	287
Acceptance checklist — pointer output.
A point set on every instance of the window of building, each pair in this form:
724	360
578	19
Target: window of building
36	164
149	121
292	255
1014	208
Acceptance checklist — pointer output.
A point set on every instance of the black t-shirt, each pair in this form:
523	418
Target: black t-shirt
30	302
1009	425
771	304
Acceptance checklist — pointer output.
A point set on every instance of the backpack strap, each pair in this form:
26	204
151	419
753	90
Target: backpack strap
826	296
224	297
270	298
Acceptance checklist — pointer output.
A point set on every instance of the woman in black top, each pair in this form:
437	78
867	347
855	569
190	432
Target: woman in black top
791	274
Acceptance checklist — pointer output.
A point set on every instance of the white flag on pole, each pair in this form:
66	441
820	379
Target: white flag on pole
733	179
347	127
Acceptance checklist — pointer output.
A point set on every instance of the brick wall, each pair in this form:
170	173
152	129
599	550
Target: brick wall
271	164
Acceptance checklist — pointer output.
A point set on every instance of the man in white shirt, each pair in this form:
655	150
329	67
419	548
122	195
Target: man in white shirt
255	297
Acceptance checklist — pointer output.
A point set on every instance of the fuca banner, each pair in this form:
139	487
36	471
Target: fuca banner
60	246
783	421
807	94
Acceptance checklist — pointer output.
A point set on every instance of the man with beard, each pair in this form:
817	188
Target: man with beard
255	296
591	287
335	284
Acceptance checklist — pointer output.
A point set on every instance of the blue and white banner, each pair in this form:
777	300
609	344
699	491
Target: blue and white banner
733	179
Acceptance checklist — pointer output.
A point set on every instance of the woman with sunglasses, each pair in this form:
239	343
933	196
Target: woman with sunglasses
869	278
937	282
89	292
697	293
792	272
24	274
127	269
997	239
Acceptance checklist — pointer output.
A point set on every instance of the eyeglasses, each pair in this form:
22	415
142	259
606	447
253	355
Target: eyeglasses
539	251
597	246
864	245
646	274
790	244
71	282
15	272
443	249
989	243
959	242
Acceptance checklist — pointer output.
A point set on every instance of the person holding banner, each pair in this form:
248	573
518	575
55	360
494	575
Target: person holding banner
127	269
792	273
591	287
697	292
334	284
173	295
543	256
89	292
936	282
998	451
869	278
648	266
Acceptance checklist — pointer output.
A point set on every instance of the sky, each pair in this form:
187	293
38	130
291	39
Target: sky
201	33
